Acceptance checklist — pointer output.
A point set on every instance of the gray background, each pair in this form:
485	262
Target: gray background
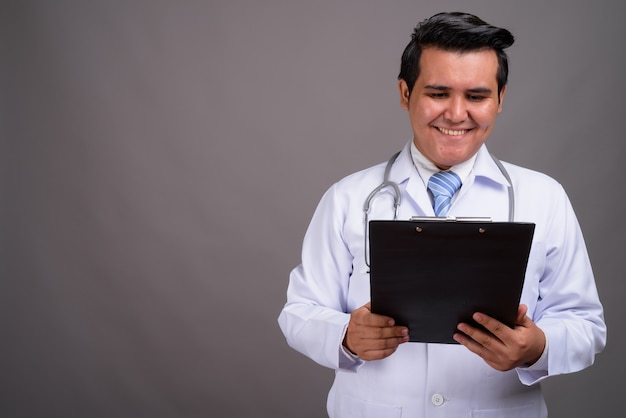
161	160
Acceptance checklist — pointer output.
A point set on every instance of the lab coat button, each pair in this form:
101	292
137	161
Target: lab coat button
437	399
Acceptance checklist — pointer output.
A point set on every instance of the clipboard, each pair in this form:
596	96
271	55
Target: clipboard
429	273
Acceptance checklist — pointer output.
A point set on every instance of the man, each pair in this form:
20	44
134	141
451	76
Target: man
452	83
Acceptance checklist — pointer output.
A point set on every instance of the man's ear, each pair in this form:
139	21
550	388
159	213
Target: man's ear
404	94
501	98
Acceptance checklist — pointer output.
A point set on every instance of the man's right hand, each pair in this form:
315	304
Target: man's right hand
371	336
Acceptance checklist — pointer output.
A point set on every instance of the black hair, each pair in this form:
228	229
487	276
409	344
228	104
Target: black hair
459	32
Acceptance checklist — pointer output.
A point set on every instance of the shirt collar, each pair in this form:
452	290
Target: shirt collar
427	168
481	165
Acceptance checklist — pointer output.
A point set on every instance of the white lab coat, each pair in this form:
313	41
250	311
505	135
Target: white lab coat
442	380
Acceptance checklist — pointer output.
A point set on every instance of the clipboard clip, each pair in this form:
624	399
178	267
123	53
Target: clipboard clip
451	218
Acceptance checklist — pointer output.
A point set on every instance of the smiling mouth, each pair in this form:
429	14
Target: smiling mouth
452	132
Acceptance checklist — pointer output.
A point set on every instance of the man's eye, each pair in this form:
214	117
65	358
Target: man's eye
438	95
475	98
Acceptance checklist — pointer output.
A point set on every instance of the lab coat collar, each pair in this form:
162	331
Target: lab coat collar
403	167
408	179
484	167
404	173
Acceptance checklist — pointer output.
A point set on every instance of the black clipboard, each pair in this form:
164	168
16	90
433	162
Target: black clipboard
429	274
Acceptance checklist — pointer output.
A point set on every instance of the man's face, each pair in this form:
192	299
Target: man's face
453	105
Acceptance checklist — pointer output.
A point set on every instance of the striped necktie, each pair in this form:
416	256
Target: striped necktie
443	185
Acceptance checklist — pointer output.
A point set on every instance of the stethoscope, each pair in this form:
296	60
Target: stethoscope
387	184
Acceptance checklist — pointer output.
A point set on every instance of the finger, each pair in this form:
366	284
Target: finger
369	348
393	332
382	333
486	340
382	343
377	354
382	347
521	313
492	325
364	316
463	339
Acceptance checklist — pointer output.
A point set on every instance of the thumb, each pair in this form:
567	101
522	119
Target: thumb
521	314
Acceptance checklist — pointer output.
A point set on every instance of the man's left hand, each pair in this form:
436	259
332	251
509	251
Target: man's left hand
504	348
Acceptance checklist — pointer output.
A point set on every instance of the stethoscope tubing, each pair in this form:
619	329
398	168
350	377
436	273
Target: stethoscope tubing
397	196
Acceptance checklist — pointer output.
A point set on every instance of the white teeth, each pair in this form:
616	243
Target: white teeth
452	132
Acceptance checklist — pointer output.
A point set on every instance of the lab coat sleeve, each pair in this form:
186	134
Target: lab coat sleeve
568	308
315	318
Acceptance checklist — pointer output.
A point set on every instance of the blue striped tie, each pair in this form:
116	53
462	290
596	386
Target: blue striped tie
443	185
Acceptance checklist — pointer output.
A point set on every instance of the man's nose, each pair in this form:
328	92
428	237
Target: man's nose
456	110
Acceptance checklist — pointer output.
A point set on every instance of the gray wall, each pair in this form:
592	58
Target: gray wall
161	160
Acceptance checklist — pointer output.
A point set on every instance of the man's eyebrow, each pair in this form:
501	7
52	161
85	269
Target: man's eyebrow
480	90
437	87
475	90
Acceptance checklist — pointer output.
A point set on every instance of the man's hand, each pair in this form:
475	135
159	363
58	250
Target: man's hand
504	348
371	336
